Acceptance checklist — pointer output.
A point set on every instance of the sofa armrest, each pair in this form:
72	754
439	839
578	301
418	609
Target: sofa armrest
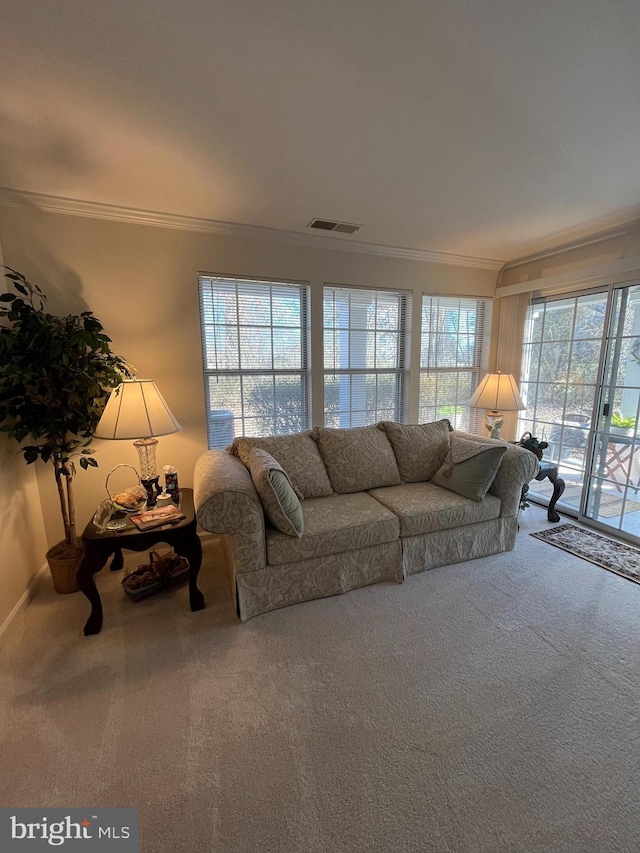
226	502
518	466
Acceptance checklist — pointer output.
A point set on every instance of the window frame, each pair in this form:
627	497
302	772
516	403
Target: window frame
402	373
304	372
479	367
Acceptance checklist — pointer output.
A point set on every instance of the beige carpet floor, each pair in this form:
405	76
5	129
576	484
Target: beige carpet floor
491	706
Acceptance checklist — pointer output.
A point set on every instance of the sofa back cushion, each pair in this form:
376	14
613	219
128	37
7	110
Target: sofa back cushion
297	454
358	458
419	448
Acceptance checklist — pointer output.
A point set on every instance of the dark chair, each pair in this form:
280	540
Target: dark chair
571	431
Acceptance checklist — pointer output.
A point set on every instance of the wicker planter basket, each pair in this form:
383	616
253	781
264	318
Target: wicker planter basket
63	571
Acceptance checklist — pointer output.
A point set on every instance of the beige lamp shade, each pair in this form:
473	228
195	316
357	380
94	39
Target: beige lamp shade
136	409
497	392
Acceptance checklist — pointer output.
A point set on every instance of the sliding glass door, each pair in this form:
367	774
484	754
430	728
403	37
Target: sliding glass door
612	496
581	384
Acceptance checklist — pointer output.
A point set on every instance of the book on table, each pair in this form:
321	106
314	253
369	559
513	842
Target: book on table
151	518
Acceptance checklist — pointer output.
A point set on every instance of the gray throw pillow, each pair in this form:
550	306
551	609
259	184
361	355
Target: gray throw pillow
469	467
280	502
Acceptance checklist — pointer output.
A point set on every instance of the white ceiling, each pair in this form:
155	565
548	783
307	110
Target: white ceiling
489	128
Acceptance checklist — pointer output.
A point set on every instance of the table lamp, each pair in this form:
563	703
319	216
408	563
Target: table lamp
137	410
499	393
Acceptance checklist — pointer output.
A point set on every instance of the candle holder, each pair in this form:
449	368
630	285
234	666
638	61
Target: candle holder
153	489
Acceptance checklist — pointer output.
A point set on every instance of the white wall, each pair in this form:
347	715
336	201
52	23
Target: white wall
22	533
141	282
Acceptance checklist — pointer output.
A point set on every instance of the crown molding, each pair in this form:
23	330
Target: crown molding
588	240
98	210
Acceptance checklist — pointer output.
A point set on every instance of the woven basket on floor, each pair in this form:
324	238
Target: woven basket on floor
178	573
63	572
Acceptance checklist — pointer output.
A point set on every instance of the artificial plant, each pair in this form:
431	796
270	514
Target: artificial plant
617	420
55	377
530	442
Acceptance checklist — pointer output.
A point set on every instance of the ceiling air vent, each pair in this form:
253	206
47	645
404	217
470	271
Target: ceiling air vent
327	225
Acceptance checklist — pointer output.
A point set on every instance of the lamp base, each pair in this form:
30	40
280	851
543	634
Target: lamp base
495	422
146	448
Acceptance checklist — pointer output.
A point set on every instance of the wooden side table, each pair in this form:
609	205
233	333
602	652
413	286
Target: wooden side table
550	472
100	545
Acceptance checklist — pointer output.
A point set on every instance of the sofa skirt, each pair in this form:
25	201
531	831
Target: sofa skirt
278	586
444	547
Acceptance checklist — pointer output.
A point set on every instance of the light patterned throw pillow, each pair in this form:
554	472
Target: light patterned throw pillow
281	503
419	449
299	456
470	467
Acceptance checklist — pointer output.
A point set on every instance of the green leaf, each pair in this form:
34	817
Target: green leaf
7	297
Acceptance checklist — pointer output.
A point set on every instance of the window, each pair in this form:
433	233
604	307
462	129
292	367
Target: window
366	355
255	342
454	356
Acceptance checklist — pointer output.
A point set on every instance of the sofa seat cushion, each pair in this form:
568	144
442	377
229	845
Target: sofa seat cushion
332	525
357	458
425	507
299	457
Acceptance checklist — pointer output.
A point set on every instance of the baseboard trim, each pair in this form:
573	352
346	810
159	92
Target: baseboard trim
30	591
25	598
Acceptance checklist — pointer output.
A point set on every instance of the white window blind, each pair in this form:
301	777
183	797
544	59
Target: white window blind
366	355
255	343
454	357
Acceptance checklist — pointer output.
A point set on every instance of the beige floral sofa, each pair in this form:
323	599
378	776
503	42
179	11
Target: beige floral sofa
372	509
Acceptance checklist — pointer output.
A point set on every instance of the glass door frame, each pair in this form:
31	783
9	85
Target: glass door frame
600	427
603	390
